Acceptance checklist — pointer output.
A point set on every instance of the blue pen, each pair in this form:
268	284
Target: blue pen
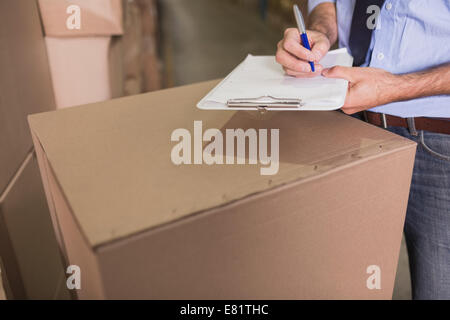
302	29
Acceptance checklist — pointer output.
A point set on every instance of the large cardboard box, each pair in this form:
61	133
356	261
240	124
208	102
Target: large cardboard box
31	260
25	84
140	226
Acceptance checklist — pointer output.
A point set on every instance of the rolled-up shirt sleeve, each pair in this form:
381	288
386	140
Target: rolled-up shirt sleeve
314	3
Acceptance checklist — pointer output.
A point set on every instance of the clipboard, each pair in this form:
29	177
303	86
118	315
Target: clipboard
265	102
260	83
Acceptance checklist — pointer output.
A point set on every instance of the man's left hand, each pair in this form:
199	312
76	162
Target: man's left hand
368	87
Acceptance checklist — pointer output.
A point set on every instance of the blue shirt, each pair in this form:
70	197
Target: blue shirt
412	35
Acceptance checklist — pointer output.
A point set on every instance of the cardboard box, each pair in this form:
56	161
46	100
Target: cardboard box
25	84
31	261
91	64
96	18
80	69
85	64
140	226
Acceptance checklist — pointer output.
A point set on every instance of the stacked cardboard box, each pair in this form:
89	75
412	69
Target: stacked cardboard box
110	53
78	36
29	256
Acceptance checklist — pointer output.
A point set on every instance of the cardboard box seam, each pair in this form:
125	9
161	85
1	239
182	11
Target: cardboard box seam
21	290
207	211
321	162
16	175
59	185
45	166
50	197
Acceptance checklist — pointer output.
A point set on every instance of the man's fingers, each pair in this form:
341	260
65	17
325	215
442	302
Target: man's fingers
297	74
318	71
350	111
339	72
318	68
287	60
319	50
300	74
293	45
291	30
295	57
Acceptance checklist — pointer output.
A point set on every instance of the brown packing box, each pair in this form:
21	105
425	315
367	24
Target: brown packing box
85	63
113	53
82	69
25	84
31	259
139	226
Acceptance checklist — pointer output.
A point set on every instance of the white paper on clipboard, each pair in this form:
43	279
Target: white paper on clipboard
260	82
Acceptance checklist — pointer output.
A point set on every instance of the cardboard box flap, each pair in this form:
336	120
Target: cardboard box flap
113	161
75	18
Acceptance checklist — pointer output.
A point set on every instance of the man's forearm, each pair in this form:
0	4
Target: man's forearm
372	87
427	83
323	19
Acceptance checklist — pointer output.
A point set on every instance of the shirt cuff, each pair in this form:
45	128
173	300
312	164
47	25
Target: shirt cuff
314	3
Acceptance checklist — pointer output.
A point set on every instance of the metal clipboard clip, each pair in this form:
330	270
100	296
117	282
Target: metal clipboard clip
264	102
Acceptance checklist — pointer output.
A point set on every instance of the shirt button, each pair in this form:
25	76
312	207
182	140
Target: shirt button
380	56
388	6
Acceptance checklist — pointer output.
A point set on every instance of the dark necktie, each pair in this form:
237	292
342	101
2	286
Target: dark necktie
360	34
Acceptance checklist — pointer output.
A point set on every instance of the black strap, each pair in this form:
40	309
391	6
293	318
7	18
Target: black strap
360	34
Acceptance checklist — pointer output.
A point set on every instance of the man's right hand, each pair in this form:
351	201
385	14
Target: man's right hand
294	57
